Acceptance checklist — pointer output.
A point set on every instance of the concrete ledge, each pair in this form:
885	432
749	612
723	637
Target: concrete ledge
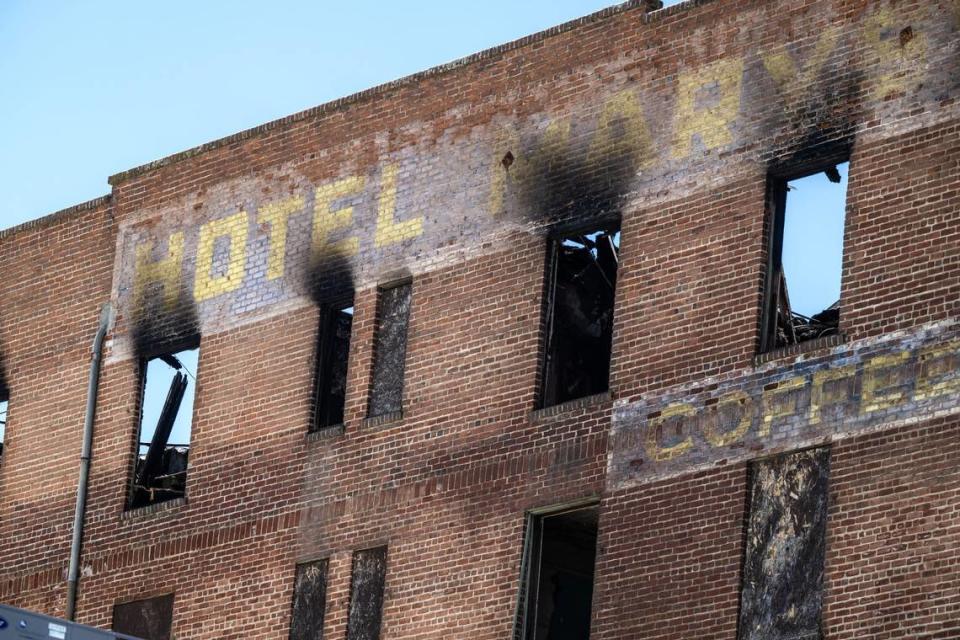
56	216
326	433
798	349
140	512
387	418
571	405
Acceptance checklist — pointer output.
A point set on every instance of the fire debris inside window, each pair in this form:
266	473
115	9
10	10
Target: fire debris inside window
782	592
333	353
166	412
4	404
309	601
149	619
390	350
806	251
367	583
582	282
557	582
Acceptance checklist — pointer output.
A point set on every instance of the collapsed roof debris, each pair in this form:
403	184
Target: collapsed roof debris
581	316
794	328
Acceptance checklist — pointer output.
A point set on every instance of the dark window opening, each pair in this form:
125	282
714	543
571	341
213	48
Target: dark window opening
309	601
806	252
782	590
168	384
333	353
4	406
367	582
390	350
556	588
582	281
149	619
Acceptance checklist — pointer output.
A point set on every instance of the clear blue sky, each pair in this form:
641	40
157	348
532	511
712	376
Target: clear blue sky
93	88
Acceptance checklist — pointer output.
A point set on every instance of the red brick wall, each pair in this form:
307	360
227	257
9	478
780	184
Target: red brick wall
446	485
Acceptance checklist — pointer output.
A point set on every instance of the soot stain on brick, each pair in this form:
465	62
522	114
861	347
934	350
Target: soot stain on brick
562	186
4	389
328	277
786	529
159	329
828	122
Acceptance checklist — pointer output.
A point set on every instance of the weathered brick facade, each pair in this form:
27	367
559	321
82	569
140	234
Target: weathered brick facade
669	120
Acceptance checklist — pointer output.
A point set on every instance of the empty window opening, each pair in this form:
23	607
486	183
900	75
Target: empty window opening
333	353
557	582
149	619
369	575
582	281
806	255
309	601
782	591
4	405
166	412
390	350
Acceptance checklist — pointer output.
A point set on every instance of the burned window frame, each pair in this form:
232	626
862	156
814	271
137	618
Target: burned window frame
323	363
4	417
529	589
774	280
168	600
548	370
167	350
373	411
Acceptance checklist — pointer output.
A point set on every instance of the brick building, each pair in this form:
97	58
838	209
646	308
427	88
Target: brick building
505	349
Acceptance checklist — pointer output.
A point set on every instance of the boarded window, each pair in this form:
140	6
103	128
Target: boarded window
806	255
782	591
367	583
4	405
333	353
582	280
390	350
149	619
556	588
163	443
309	601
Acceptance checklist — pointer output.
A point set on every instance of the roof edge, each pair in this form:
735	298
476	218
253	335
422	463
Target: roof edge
339	103
56	216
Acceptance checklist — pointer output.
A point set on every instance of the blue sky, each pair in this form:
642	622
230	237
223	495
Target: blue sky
90	89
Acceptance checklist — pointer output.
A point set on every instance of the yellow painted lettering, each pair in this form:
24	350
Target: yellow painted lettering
820	397
875	396
708	100
277	214
939	371
721	439
389	230
621	132
655	450
899	50
166	271
206	285
327	219
776	407
792	80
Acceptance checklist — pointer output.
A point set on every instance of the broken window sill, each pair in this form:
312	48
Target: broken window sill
386	418
799	349
325	433
570	405
140	512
